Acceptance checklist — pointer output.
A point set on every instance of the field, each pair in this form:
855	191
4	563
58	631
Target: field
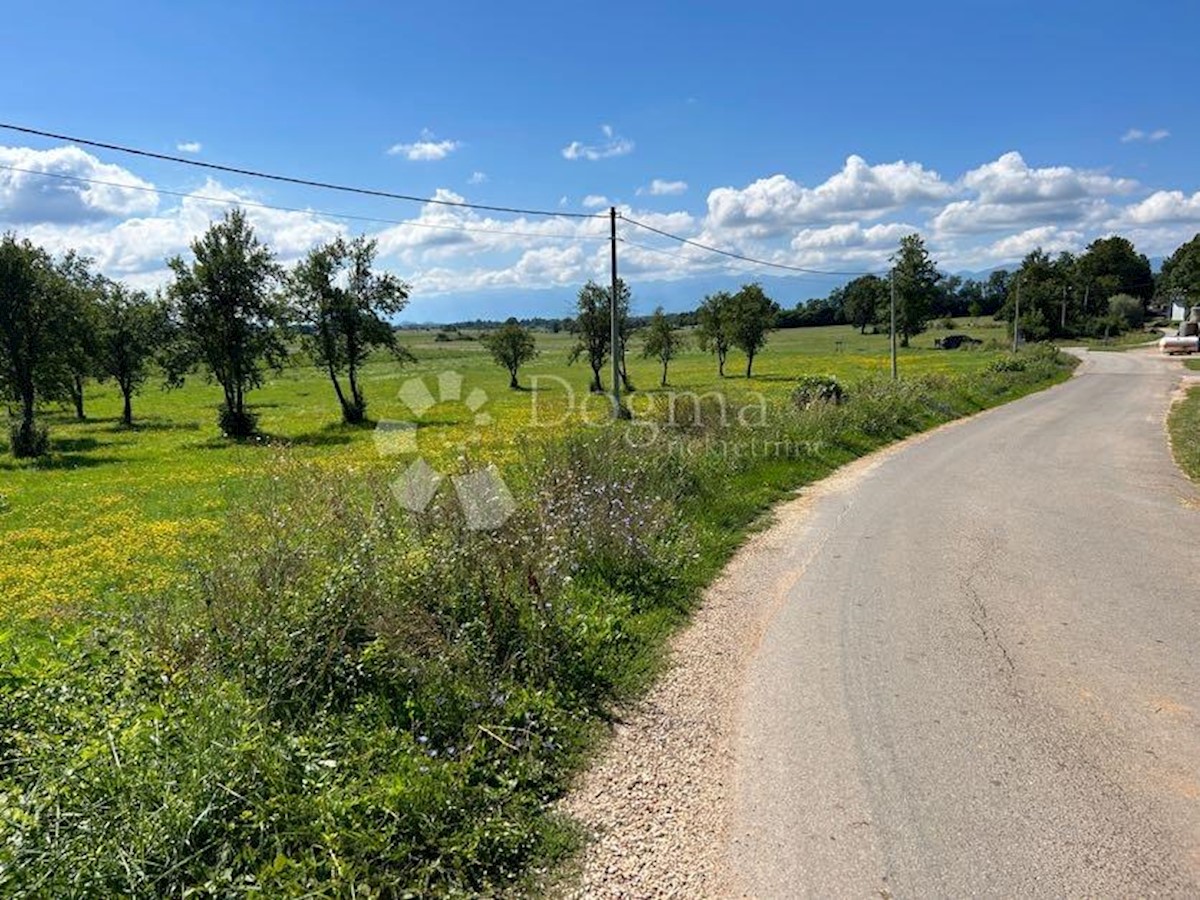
237	669
113	510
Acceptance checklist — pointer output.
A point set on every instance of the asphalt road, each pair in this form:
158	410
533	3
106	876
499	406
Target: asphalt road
987	680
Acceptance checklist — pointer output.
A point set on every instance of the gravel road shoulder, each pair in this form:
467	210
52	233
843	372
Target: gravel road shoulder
658	800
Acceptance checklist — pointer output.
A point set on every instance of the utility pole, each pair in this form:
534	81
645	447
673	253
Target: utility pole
893	279
612	308
1064	309
1017	316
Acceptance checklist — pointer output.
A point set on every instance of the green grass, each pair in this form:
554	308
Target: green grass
1193	364
235	669
1184	426
112	511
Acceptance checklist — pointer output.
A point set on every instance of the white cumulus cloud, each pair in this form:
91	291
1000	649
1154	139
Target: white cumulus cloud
593	201
612	145
1012	195
770	206
427	149
477	178
660	187
48	186
189	146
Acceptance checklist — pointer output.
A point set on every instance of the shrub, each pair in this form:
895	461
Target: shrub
1126	311
1010	363
814	389
29	440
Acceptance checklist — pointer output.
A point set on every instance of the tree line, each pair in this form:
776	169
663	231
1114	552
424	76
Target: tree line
1107	288
232	312
229	311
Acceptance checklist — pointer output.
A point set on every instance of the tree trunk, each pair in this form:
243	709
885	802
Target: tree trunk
355	392
77	395
663	382
721	363
749	364
512	380
127	412
28	403
337	389
903	339
596	387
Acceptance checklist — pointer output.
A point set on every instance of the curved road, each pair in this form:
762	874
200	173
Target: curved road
987	681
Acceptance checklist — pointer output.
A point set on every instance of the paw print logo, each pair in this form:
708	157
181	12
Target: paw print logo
484	497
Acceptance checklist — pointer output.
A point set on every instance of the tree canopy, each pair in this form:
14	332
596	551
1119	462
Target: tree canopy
230	315
662	342
346	304
752	316
511	346
916	278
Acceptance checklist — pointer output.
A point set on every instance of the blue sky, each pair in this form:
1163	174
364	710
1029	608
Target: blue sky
811	135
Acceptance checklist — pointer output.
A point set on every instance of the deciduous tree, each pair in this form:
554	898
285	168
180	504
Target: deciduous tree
752	317
511	346
230	315
916	277
132	330
346	304
663	342
31	319
862	300
713	327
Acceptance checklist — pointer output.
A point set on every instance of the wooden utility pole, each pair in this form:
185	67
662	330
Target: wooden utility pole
612	307
894	372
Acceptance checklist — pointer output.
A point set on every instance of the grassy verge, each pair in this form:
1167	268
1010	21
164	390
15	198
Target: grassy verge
1193	364
345	698
1184	426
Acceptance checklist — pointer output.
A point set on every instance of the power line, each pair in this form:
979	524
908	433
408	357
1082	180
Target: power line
671	254
733	255
254	173
296	209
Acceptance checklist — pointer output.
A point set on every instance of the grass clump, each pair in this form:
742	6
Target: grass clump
1184	427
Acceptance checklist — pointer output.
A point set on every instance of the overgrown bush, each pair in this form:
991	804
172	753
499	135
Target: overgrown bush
811	389
1127	312
1009	363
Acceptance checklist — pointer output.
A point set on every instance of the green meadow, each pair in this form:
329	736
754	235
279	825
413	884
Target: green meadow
237	669
112	511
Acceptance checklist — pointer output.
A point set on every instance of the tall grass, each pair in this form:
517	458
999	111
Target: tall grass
351	699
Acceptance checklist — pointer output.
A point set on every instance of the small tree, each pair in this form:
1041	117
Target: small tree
346	304
713	327
916	285
662	341
230	316
78	288
511	346
593	328
32	319
862	300
132	329
752	316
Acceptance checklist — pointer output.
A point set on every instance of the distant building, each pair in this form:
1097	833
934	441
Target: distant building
1179	311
